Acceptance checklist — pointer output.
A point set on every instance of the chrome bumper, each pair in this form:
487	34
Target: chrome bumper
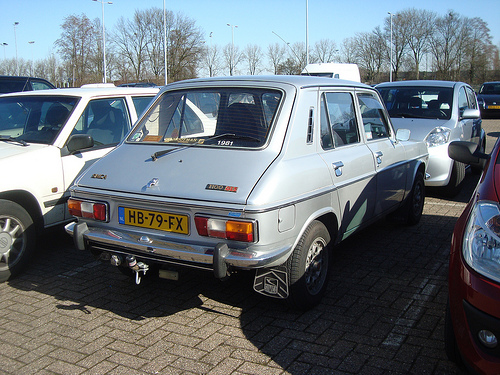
218	257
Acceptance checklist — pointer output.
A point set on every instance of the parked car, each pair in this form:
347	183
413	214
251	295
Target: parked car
16	84
46	138
489	99
437	112
472	322
292	166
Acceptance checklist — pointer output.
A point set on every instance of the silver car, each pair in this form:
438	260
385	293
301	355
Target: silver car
263	173
438	112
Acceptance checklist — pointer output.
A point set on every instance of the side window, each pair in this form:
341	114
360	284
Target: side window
141	103
106	120
462	100
374	120
37	85
338	120
472	98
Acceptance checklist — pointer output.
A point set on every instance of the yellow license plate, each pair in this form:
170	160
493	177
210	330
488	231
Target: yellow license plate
154	220
494	107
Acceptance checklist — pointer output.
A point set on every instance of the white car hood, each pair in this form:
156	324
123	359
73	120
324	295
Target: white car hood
418	127
193	173
13	149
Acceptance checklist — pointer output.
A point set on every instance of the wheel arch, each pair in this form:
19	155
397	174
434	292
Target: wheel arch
27	201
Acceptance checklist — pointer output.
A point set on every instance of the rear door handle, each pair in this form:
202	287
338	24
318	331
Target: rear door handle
337	167
378	156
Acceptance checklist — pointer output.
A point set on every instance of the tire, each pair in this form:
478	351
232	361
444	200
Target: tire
17	239
308	267
414	205
456	179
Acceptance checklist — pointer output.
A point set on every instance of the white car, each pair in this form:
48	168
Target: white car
267	174
47	138
437	112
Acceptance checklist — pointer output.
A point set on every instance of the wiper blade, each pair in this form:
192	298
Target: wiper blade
10	139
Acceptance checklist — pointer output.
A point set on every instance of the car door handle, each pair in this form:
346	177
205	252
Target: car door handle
378	156
337	167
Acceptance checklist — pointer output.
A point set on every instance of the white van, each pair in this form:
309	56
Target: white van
349	72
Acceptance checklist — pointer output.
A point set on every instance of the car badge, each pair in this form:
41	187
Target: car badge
153	182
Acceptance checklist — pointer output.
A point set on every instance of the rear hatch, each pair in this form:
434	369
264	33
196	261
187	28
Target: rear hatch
192	173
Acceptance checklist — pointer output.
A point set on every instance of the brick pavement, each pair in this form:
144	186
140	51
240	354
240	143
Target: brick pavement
383	312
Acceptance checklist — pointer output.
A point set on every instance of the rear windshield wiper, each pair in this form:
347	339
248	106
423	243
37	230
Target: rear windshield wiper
10	139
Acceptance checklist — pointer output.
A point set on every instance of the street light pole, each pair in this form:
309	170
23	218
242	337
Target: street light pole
232	49
3	45
390	67
307	32
32	42
15	39
104	79
165	41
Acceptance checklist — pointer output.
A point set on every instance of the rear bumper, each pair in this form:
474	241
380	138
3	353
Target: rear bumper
205	256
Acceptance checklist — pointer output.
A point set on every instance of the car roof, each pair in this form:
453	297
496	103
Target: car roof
428	83
89	91
295	80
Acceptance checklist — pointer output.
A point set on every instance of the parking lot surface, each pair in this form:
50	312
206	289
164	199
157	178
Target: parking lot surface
383	312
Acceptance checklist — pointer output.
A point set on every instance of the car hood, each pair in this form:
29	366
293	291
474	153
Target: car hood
13	149
418	127
193	173
489	98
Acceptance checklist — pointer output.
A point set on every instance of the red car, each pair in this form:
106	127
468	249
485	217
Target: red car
472	325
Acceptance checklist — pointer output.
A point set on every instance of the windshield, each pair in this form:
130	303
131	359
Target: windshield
418	102
490	89
34	119
227	117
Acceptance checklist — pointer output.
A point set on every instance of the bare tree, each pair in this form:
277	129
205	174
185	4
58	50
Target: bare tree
77	44
211	60
253	55
348	51
371	52
401	29
420	28
276	54
325	51
232	57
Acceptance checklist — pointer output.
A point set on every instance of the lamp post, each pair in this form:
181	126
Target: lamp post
390	67
165	42
3	45
104	79
232	49
307	32
15	39
31	42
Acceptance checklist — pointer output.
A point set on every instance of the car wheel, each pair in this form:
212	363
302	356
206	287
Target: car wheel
450	342
308	267
456	178
414	205
17	238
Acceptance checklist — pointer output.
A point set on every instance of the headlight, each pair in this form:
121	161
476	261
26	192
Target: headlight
438	136
481	248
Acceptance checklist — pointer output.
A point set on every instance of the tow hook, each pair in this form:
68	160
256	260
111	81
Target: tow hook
137	267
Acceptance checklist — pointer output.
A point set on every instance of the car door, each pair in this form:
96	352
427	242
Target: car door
107	120
388	154
349	159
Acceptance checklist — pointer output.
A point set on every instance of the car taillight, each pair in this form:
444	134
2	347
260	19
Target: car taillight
237	230
88	210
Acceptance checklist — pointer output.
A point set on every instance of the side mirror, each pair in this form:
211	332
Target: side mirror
470	113
79	142
467	153
403	134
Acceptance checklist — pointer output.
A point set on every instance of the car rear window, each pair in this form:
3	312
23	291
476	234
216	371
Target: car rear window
227	117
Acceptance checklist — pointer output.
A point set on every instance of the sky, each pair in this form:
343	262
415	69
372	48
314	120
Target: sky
257	21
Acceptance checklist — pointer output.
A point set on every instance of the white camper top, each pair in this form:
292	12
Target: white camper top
333	70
